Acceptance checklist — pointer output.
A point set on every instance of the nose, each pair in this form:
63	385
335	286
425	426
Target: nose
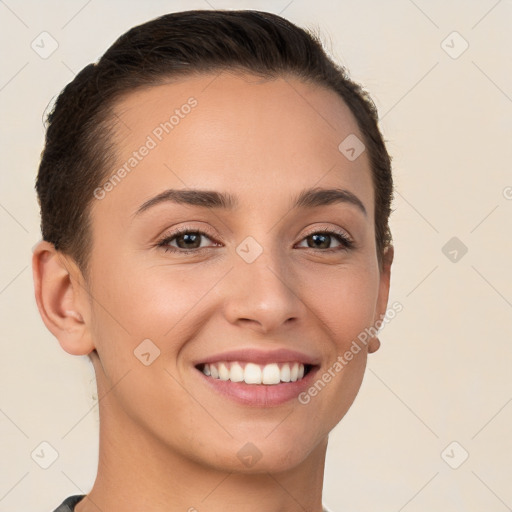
262	294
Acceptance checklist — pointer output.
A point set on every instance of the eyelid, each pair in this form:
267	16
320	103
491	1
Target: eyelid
341	232
190	228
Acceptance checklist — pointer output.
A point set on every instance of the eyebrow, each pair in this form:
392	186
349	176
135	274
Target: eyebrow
308	198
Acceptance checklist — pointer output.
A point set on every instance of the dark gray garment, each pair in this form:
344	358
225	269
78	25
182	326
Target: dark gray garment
68	505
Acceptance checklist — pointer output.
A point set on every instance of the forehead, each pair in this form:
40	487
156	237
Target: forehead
237	133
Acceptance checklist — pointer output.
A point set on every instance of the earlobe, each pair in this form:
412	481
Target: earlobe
60	299
373	345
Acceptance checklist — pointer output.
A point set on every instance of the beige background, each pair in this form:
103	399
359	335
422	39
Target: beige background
443	371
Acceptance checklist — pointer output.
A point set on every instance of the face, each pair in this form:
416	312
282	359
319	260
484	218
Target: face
275	281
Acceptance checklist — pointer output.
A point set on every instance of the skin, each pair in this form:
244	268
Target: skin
166	439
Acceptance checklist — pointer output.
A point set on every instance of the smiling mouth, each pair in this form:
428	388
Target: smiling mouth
254	374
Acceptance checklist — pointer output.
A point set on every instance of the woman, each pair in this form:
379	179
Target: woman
215	195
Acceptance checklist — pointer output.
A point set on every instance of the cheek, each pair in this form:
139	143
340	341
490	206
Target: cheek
136	294
170	299
161	303
344	302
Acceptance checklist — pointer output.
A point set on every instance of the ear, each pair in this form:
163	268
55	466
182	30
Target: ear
382	299
62	298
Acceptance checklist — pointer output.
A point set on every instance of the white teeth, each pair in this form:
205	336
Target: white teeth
252	373
285	373
271	374
223	372
236	373
294	372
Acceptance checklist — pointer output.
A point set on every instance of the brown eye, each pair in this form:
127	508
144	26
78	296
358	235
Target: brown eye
186	241
319	241
324	239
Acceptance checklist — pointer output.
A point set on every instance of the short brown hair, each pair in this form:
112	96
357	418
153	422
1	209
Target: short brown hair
78	148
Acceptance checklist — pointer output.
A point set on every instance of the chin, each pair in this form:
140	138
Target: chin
262	454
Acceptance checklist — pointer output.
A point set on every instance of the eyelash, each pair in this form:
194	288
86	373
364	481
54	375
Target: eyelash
345	241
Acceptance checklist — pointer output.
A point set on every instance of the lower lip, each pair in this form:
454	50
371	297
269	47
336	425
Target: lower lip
260	395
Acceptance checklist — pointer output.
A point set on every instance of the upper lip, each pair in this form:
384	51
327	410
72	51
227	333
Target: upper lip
259	356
